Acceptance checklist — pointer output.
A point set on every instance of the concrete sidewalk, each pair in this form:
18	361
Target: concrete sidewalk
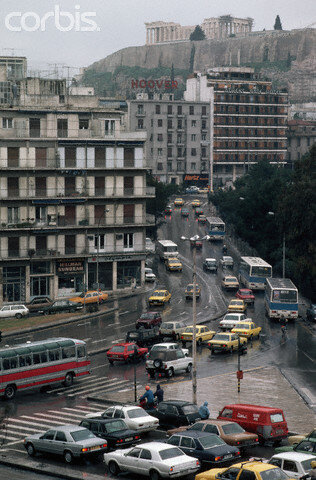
262	386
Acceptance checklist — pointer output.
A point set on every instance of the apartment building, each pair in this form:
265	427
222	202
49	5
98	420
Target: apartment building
301	137
177	147
72	195
248	119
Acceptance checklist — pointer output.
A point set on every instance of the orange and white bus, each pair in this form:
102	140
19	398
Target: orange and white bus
45	362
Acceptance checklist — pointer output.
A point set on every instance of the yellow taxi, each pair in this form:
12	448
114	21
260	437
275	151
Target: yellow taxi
237	305
90	297
178	202
229	282
252	469
159	297
203	190
189	291
173	264
246	328
202	334
226	342
196	203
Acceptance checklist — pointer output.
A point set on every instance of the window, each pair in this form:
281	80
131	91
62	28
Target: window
203	137
68	352
70	157
180	124
169	109
140	109
211	429
186	442
179	109
152	122
128	185
13	215
203	151
35	127
193	166
70	244
134	453
83	123
193	137
41	244
99	239
13	246
109	127
179	138
81	352
169	152
40	187
129	213
227	413
157	109
140	124
128	240
203	110
62	127
54	355
191	110
203	124
179	152
159	152
40	156
247	475
193	123
169	124
129	157
193	152
174	440
160	137
145	454
60	437
99	157
49	435
13	156
169	166
169	137
298	142
159	166
159	122
7	122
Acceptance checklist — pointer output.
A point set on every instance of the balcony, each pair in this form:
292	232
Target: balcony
52	197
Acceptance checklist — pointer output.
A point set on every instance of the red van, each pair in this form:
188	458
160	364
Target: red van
268	423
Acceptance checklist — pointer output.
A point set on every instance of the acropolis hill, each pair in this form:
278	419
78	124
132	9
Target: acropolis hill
288	57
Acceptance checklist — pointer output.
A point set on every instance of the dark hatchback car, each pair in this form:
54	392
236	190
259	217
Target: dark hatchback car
143	336
62	306
149	320
207	447
176	413
311	312
114	430
38	304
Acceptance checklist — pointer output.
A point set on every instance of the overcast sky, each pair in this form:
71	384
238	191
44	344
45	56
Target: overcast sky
120	23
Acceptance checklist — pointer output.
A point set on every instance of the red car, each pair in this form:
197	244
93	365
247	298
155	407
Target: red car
198	244
149	320
126	352
168	210
246	295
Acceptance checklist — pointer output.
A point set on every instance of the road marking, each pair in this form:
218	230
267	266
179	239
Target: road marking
42	419
85	380
102	387
124	313
98	341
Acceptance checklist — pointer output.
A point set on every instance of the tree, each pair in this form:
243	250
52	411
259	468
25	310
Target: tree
277	23
192	55
197	34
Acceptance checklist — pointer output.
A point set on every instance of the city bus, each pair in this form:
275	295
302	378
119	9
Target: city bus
253	272
36	364
281	298
167	249
215	228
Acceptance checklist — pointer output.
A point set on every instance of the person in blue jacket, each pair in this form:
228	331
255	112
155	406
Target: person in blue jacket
204	411
149	396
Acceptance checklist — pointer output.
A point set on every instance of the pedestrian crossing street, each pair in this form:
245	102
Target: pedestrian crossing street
14	430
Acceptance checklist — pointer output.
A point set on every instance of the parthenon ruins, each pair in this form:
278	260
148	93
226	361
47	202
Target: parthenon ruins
214	28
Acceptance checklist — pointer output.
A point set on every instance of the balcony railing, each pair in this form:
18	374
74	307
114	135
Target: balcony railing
68	192
55	163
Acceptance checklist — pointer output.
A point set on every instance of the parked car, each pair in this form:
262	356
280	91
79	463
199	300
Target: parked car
113	430
159	297
210	265
149	320
247	329
150	246
69	441
17	311
37	304
149	275
208	448
202	219
230	320
202	333
237	305
178	202
246	295
295	439
176	413
168	210
167	362
169	346
136	418
229	282
227	342
185	212
294	464
267	422
305	446
311	312
173	264
253	470
232	433
63	306
189	291
91	296
227	261
155	460
126	352
172	329
143	336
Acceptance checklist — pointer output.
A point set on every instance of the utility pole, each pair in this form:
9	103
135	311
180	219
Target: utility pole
194	397
283	257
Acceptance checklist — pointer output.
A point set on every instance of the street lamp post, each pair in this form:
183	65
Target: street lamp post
193	241
283	249
208	142
98	250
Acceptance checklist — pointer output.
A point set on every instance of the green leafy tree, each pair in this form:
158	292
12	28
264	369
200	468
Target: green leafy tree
197	34
277	23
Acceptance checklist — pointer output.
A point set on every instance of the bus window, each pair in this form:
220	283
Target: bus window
9	363
69	352
25	360
43	357
81	351
54	355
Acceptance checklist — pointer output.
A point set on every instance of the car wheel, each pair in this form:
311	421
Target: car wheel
68	379
154	475
9	392
189	368
169	373
113	468
30	449
68	456
18	315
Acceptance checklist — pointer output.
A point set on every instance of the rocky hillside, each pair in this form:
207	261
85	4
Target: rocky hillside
288	58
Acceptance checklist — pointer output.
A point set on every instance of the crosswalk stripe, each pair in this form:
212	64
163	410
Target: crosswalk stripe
101	385
24	422
43	420
27	429
65	414
88	379
60	417
74	410
7	437
95	382
90	390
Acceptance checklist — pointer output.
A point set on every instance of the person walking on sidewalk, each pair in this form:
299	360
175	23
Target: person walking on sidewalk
204	411
159	394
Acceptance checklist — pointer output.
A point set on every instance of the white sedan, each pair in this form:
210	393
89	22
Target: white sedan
154	459
227	261
149	275
136	418
294	464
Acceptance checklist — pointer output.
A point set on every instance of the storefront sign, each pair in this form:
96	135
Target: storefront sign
196	178
114	258
70	266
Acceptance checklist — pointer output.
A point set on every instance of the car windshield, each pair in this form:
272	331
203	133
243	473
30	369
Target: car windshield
235	302
276	417
115	426
82	435
158	294
230	279
137	413
243	326
232	428
190	409
306	464
147	316
189	330
168	326
117	349
221	336
211	262
81	295
231	317
273	474
211	441
170	453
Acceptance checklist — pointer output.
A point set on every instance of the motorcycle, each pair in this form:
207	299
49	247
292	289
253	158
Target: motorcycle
143	404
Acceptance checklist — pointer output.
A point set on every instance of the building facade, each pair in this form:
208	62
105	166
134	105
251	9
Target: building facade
301	137
177	148
72	198
217	28
248	119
